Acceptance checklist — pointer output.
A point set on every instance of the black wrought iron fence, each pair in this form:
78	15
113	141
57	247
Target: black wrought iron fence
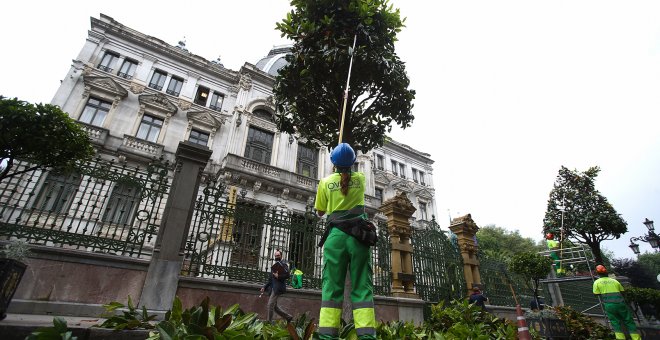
101	206
498	282
438	266
233	239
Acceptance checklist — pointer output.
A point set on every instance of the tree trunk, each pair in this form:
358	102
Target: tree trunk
595	249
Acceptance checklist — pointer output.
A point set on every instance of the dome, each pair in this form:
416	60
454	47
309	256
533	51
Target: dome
275	60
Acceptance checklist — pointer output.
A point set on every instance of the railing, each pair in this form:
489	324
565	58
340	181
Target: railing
142	147
97	134
102	206
234	240
281	176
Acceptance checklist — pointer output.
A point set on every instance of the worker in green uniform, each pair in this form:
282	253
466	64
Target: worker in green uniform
553	246
341	196
616	308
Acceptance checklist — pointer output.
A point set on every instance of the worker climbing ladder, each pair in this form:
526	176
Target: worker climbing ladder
577	264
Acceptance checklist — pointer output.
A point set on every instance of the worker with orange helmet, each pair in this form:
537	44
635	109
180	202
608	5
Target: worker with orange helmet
553	245
616	308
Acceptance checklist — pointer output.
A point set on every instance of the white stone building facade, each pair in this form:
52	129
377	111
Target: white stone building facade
138	97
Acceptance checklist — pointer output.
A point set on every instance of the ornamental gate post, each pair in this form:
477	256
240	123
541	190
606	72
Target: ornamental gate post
466	232
162	278
399	210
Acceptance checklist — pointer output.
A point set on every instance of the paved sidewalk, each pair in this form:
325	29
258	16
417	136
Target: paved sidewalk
47	320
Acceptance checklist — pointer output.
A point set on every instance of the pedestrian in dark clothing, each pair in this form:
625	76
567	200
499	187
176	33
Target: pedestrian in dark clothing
277	286
537	304
478	298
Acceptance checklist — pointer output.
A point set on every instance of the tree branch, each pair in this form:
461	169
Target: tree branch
20	172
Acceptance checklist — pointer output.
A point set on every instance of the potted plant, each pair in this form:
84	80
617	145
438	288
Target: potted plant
12	266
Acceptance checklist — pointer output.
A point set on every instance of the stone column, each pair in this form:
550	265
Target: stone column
398	210
162	278
466	231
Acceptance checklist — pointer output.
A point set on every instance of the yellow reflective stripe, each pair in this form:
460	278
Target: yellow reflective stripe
330	317
364	318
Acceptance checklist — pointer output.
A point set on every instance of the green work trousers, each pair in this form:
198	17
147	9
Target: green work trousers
619	313
342	251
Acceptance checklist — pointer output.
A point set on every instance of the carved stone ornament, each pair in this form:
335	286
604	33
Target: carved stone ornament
245	82
205	118
184	104
257	186
136	88
159	102
262	124
105	84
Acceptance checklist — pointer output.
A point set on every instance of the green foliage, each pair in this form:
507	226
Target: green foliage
650	261
309	90
640	276
588	217
644	298
499	243
59	331
130	319
462	320
582	327
41	134
396	330
16	250
531	266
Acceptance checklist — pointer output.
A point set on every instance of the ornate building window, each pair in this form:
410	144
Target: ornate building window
379	195
174	87
307	162
414	172
216	101
57	192
127	69
149	128
259	145
124	200
422	211
108	61
199	137
394	167
402	170
202	95
380	162
95	111
263	114
421	178
158	80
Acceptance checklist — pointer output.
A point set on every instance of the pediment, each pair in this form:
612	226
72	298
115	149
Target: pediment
157	101
425	193
205	118
404	186
105	84
381	177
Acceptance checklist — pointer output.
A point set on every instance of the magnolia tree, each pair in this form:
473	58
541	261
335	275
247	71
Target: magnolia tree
310	88
582	211
42	135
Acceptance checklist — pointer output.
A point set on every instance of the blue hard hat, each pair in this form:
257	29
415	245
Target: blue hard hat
343	155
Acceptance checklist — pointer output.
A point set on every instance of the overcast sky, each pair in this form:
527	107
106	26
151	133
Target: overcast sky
507	91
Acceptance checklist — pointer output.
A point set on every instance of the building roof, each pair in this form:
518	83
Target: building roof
275	60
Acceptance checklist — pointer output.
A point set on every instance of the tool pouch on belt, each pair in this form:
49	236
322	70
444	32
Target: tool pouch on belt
363	230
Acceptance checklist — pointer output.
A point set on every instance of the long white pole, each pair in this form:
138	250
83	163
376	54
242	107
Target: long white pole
348	80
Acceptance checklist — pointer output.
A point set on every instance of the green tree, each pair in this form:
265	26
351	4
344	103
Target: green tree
40	134
639	274
650	261
497	242
531	266
588	217
309	90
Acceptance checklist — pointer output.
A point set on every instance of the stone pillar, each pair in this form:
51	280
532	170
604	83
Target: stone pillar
162	278
398	210
466	231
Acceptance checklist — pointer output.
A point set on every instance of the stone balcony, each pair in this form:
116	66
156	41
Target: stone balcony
269	176
140	147
97	135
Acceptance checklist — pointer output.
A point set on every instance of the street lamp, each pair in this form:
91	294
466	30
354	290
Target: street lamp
651	238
